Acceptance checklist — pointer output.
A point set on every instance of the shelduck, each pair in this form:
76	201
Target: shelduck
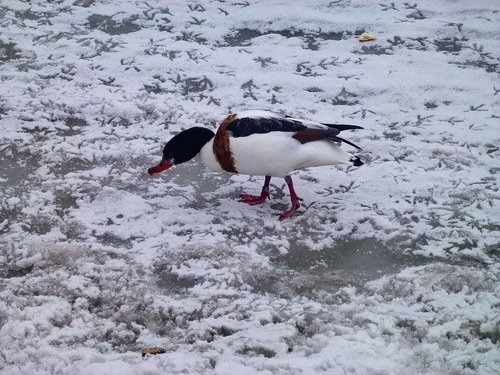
261	143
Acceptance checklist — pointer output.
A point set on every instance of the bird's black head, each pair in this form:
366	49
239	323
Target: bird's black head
186	145
182	147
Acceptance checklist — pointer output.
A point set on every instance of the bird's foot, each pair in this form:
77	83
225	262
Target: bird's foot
288	214
254	199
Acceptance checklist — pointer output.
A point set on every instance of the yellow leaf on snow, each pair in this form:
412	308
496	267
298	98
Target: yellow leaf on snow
366	37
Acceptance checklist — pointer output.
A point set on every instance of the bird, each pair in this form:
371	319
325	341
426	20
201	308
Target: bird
261	143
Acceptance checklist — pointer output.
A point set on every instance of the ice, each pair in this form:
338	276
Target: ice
388	268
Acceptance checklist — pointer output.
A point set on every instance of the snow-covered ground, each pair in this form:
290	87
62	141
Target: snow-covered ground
390	268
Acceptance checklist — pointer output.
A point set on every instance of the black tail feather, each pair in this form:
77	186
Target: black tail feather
342	127
356	161
338	139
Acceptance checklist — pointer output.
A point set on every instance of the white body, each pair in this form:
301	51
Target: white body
276	153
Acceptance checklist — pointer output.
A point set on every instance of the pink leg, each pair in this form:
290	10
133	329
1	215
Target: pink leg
257	199
295	200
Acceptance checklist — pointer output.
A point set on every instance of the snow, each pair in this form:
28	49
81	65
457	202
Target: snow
389	268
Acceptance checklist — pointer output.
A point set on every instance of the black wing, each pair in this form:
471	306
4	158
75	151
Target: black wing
342	127
311	135
243	127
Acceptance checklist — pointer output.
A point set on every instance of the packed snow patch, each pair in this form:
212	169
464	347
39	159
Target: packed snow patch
387	268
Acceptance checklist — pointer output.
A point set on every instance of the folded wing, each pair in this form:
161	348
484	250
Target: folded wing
261	122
